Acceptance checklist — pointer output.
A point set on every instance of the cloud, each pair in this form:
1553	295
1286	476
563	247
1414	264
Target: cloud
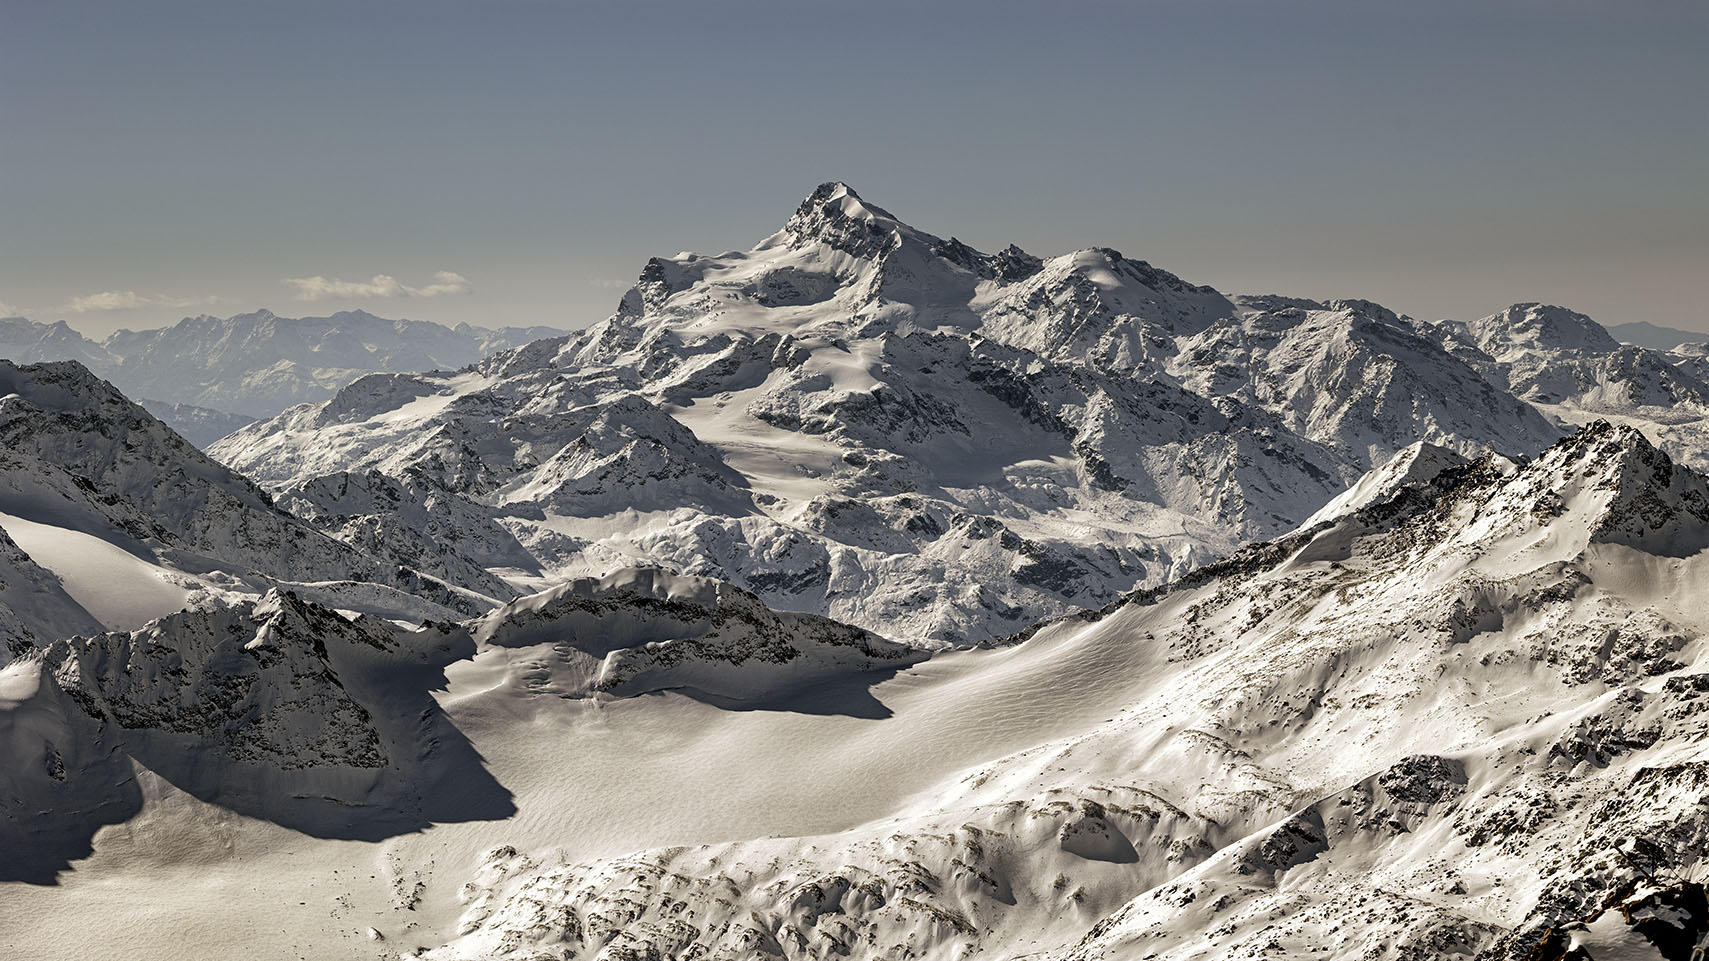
445	282
380	285
7	310
131	300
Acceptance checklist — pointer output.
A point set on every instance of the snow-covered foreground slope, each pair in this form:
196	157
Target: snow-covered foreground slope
1419	729
860	419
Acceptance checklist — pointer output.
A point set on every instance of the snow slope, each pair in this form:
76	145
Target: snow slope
34	606
1421	728
1504	661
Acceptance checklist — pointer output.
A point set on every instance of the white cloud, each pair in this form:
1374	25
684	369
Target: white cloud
445	282
130	300
380	285
322	288
7	310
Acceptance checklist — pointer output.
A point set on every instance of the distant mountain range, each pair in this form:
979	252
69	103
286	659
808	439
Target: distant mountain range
1660	338
256	364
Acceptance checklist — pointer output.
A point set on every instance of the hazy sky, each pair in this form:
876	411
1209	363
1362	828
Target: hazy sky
516	162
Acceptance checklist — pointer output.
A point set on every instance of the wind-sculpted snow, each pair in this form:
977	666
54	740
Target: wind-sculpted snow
860	419
1344	743
924	888
64	775
1351	646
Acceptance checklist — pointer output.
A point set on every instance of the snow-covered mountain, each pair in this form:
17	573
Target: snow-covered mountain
274	708
25	341
643	630
864	595
255	364
259	363
861	419
1574	371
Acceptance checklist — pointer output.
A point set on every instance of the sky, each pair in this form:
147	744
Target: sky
516	162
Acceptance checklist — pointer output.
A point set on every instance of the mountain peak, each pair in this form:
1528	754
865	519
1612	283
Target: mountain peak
1537	325
1602	441
843	197
1647	501
834	215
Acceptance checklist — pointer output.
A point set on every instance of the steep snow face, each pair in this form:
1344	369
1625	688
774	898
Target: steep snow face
642	630
34	607
1422	729
63	776
860	419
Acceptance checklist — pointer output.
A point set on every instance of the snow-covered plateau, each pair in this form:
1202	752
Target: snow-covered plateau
862	595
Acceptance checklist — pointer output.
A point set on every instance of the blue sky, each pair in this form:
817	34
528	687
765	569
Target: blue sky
516	162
